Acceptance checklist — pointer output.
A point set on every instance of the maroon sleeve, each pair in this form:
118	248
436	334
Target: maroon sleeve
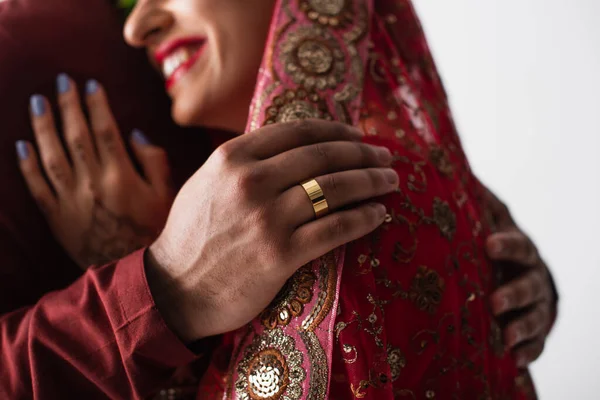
102	337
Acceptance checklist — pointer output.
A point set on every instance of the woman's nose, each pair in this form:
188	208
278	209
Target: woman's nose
147	21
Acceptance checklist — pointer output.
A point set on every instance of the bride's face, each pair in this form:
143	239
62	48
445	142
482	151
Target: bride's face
208	51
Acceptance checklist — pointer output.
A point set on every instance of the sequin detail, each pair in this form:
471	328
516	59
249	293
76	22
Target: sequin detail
313	58
271	369
290	302
295	105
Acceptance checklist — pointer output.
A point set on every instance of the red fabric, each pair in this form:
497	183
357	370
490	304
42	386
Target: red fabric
414	319
100	338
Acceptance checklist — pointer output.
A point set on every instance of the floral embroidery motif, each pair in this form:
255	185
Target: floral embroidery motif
327	286
396	361
444	218
334	13
295	105
427	289
271	369
313	59
290	301
440	159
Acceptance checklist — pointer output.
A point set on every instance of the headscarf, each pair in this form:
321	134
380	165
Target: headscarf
403	312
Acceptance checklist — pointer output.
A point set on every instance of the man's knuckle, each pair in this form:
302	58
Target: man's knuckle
307	127
337	226
332	185
321	151
225	153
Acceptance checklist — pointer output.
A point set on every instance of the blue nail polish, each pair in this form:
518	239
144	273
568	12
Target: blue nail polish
139	137
38	105
62	83
22	149
91	86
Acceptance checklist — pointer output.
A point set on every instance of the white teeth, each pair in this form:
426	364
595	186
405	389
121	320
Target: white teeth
174	61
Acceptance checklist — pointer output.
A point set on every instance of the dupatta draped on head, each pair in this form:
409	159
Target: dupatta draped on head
403	312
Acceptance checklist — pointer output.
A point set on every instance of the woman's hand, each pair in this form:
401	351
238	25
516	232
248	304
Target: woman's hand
526	302
97	205
242	225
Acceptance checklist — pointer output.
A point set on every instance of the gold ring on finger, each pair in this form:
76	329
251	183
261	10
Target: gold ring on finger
317	197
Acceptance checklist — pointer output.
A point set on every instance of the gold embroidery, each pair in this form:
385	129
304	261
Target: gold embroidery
271	369
439	158
396	361
291	299
328	284
426	290
444	218
350	350
318	366
313	58
296	105
333	13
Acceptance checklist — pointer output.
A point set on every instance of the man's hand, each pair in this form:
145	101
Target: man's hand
527	302
242	225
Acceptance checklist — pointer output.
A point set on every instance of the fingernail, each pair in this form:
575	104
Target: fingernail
501	305
381	210
385	155
22	149
519	335
497	248
391	176
62	83
91	86
38	105
139	137
357	132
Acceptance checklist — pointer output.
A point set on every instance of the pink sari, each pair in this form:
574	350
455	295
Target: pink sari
403	312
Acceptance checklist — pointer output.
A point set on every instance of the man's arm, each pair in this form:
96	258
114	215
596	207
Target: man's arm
102	337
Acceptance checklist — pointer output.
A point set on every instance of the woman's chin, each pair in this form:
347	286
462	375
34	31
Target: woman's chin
187	114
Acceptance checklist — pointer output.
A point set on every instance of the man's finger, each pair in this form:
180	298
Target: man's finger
529	352
519	293
512	246
278	138
527	326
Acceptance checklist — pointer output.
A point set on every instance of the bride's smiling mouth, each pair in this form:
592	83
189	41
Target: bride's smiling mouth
178	56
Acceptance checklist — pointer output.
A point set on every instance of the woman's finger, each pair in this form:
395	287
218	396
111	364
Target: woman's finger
51	149
314	239
340	189
520	293
76	130
512	245
307	162
109	143
154	162
527	326
36	183
529	352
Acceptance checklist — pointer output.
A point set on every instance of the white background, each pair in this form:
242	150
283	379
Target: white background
524	82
